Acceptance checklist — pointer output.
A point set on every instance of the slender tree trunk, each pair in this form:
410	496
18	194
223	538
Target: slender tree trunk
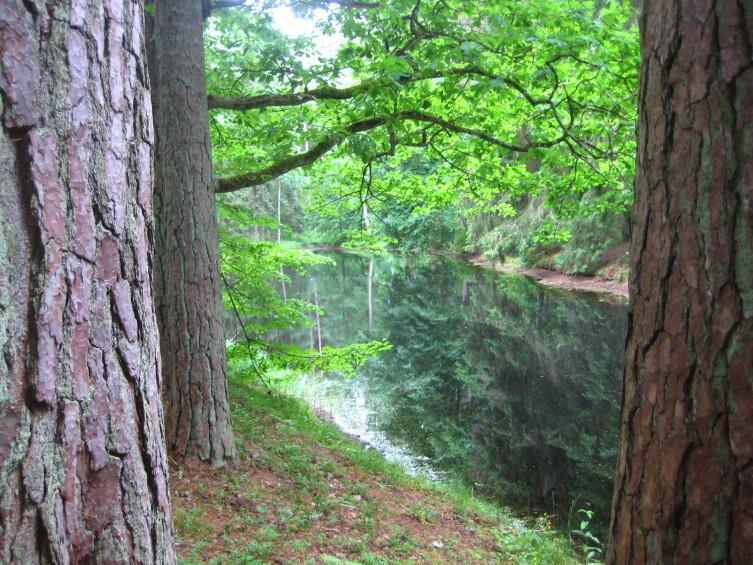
279	235
83	467
283	287
684	484
187	279
369	291
318	321
279	212
255	209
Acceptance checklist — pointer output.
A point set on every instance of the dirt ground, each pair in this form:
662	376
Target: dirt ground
303	493
327	511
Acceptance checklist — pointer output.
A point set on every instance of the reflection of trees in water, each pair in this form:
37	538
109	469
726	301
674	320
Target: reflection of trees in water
556	363
509	384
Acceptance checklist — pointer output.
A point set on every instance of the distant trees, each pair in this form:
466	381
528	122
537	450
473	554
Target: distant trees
684	485
83	466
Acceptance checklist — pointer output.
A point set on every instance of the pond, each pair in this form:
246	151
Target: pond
512	387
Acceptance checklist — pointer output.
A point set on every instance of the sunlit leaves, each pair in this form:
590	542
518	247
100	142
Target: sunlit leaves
524	72
251	272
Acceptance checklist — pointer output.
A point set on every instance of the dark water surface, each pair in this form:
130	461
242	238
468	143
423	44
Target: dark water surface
492	379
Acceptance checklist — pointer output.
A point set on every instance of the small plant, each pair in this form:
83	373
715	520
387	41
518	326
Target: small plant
191	523
269	533
593	546
423	513
299	545
531	547
255	552
332	560
400	541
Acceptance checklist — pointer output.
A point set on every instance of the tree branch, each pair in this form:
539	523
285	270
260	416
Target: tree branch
293	99
359	5
208	5
332	93
450	126
344	4
255	178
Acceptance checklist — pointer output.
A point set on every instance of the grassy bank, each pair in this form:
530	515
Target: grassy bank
303	492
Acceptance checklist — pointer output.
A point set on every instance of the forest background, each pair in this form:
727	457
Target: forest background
504	130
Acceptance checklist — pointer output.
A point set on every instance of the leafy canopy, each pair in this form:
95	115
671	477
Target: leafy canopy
496	98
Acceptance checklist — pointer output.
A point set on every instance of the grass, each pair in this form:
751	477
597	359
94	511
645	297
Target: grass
303	492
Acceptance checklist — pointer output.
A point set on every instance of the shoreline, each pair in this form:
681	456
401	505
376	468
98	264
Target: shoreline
555	279
544	277
301	491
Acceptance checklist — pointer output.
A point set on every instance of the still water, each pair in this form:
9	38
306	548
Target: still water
494	380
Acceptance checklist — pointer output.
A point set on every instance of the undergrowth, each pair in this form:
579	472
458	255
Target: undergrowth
303	492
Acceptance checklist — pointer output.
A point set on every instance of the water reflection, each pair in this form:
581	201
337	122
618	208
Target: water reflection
492	378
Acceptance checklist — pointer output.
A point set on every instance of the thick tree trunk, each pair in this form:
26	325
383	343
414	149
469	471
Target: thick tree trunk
187	277
82	458
684	484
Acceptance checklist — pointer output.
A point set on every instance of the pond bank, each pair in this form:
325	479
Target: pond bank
555	279
302	492
544	277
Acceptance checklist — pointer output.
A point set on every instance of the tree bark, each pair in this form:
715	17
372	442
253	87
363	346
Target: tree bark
83	467
684	483
187	272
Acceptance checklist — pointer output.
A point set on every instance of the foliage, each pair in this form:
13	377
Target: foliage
593	237
593	546
394	226
499	239
431	106
575	245
408	228
250	269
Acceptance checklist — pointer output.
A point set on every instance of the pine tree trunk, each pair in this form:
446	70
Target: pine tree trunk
187	277
684	484
83	467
